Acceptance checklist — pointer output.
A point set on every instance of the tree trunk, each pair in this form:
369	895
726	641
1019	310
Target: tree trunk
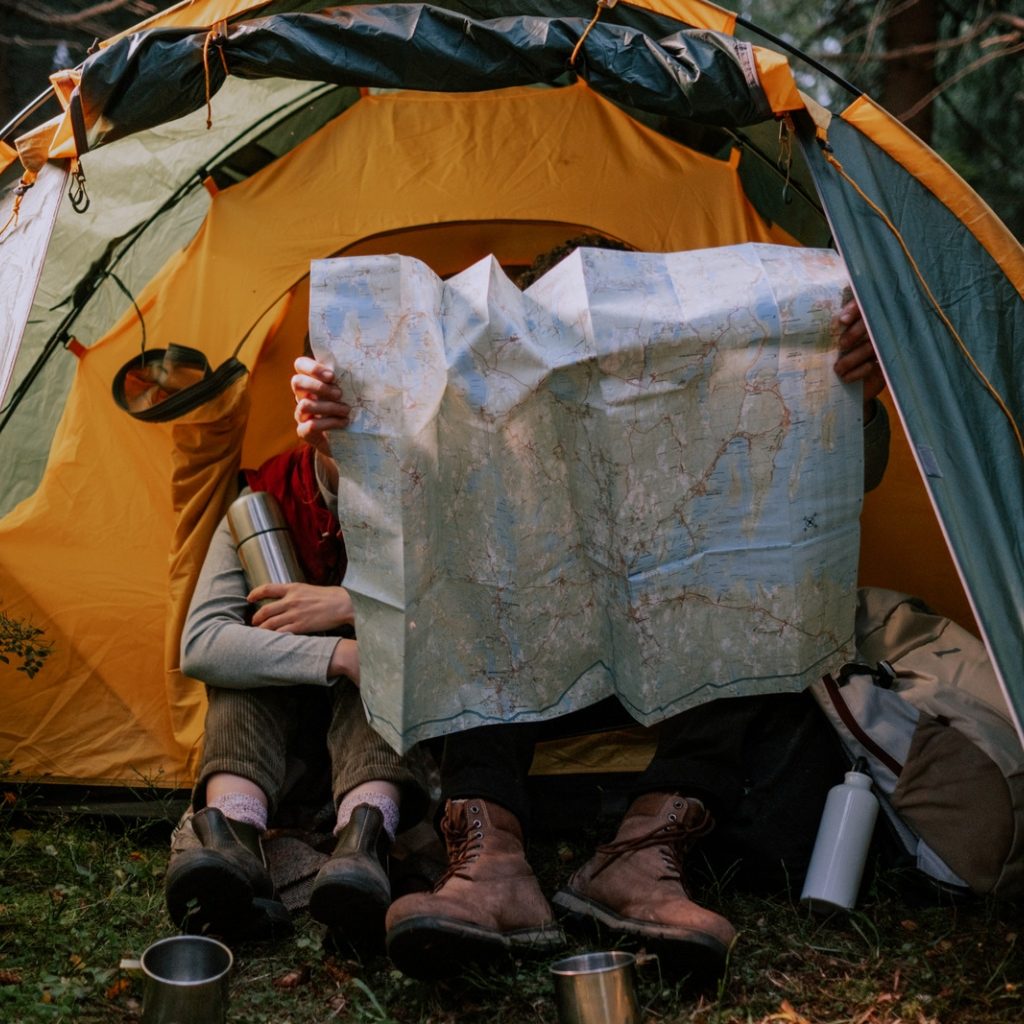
8	102
910	78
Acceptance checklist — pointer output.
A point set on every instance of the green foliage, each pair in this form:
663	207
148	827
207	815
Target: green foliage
978	99
23	642
77	897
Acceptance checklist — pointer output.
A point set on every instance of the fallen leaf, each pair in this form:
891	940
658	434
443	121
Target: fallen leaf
909	926
21	836
9	977
293	979
120	986
337	972
786	1015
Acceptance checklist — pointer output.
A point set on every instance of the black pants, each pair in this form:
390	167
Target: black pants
761	764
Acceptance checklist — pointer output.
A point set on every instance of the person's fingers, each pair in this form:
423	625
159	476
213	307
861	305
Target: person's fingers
314	432
849	312
262	616
853	335
314	408
856	361
267	592
862	372
872	377
276	623
852	329
304	385
309	367
307	425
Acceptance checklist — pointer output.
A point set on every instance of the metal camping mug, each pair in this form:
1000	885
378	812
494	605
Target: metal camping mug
186	981
596	988
263	541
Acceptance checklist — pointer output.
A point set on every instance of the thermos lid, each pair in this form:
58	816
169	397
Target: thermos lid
256	512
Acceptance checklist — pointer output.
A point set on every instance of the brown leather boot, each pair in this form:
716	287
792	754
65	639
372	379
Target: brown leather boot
351	892
634	886
487	903
220	878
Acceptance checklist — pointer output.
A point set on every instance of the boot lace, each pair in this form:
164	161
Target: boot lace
675	836
463	838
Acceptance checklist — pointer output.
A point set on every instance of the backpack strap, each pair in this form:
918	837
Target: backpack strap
833	692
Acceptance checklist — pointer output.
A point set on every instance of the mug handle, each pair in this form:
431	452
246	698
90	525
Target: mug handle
642	960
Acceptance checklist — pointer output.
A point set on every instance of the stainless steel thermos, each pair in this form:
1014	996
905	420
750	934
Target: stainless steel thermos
263	540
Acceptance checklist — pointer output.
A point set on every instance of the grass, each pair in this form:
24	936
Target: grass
78	895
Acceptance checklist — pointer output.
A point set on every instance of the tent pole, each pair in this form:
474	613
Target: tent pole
795	52
26	113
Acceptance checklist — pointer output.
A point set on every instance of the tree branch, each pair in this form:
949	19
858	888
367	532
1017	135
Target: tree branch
43	44
79	17
958	76
938	45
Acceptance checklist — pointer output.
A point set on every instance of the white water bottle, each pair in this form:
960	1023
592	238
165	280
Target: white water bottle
841	848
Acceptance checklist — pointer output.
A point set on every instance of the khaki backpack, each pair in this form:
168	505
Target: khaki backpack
925	709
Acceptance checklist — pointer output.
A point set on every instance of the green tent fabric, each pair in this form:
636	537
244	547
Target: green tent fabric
962	400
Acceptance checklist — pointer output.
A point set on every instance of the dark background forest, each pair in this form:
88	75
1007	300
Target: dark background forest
951	69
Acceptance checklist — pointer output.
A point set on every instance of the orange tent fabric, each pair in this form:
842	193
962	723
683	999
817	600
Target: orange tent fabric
95	557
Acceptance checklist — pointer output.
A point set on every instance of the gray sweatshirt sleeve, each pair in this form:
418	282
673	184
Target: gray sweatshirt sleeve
218	647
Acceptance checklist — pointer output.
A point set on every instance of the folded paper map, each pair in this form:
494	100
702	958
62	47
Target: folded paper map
639	477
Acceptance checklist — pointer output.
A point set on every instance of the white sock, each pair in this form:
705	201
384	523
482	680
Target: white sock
241	807
387	807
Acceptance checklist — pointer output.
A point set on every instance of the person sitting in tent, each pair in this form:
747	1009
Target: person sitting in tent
279	659
488	902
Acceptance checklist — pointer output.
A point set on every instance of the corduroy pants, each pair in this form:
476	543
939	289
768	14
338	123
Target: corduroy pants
253	732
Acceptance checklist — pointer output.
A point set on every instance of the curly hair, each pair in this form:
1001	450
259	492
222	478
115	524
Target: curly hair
546	260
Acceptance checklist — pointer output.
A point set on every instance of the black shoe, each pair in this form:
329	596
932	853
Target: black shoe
218	881
264	920
351	893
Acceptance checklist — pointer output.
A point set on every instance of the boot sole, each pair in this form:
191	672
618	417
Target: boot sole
436	947
205	884
354	913
264	920
695	953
